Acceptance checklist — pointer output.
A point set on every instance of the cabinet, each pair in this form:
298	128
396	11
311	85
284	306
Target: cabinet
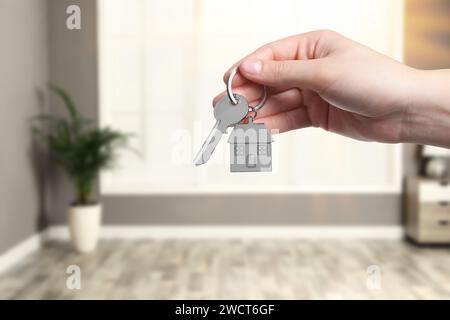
428	210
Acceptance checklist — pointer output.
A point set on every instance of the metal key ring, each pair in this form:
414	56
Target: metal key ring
230	93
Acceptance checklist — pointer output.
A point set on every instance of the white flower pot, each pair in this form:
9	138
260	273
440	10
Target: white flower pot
84	226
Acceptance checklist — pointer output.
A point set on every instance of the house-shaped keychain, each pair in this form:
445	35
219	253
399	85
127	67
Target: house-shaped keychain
250	148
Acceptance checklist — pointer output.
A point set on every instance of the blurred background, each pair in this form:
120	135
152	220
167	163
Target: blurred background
336	218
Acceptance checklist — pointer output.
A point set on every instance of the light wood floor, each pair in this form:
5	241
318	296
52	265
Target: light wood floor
233	269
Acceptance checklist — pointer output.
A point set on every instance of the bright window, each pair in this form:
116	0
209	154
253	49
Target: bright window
161	62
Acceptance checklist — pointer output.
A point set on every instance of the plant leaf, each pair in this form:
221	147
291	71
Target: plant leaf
66	98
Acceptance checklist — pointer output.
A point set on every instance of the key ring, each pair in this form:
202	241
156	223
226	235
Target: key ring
251	115
233	98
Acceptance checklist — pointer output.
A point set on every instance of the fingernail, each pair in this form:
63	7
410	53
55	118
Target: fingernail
251	66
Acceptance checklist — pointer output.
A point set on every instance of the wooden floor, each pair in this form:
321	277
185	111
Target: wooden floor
233	269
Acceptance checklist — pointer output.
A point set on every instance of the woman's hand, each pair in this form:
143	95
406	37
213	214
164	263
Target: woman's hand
323	79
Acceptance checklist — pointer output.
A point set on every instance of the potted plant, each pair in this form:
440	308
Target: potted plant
82	149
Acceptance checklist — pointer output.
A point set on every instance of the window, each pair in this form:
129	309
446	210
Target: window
161	62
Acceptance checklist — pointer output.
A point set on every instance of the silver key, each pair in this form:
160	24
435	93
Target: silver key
226	114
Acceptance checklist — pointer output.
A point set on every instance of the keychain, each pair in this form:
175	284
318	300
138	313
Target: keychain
250	143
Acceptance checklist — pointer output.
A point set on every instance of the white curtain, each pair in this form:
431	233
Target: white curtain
161	63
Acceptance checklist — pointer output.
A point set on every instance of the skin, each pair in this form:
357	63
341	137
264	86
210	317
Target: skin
325	80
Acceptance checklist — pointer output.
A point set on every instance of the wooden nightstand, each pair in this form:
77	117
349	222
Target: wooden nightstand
428	210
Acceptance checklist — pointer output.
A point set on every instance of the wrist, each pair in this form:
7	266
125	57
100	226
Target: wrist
427	108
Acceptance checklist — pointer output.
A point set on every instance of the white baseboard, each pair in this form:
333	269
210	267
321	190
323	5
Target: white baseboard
20	251
244	232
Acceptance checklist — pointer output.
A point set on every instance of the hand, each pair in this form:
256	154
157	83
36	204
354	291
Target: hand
323	79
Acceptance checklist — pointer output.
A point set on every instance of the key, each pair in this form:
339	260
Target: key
226	114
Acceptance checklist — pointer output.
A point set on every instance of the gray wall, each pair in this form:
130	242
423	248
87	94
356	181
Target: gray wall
74	64
23	73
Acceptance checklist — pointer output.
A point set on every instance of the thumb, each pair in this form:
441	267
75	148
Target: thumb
299	73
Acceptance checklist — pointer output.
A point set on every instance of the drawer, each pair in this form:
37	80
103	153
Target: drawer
434	215
433	221
432	191
435	234
435	208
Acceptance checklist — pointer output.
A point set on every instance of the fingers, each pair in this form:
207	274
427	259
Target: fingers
284	49
304	46
279	112
264	53
281	102
286	121
253	92
307	74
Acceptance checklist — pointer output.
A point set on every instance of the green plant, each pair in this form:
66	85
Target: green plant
78	145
